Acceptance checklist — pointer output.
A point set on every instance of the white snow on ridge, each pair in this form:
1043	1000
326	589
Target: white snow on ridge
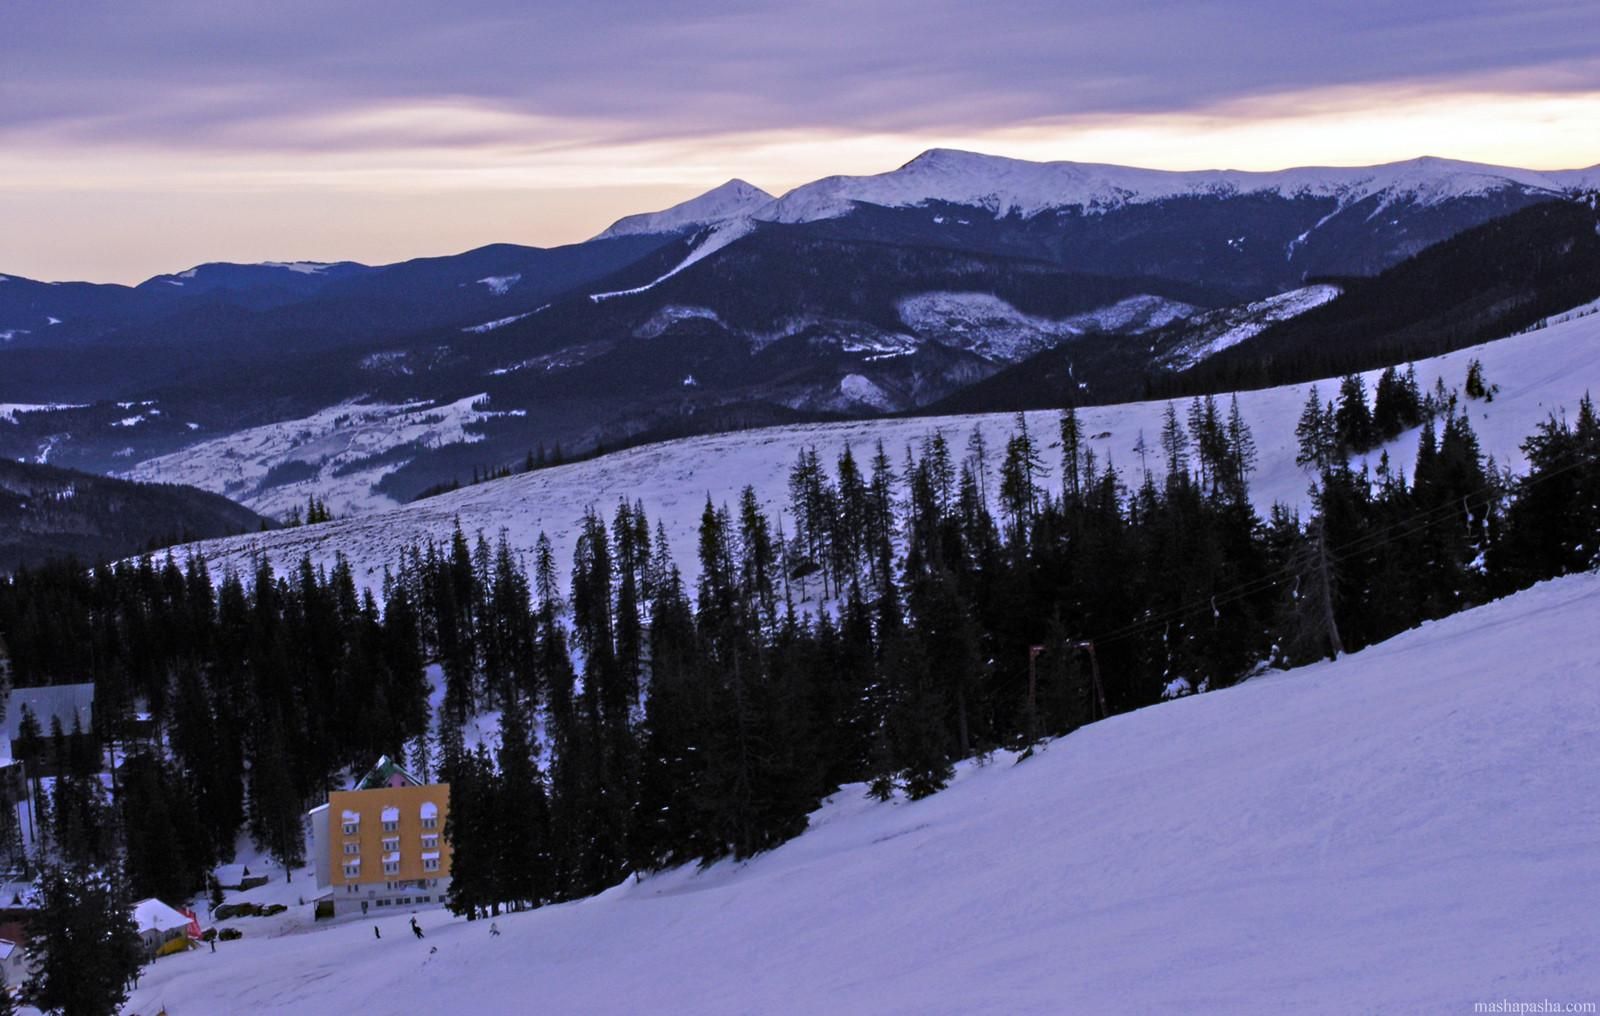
1406	830
1539	373
298	267
1018	187
729	201
9	410
719	237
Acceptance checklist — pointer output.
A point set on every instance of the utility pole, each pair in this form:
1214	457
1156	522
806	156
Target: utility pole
1094	671
1033	687
1334	642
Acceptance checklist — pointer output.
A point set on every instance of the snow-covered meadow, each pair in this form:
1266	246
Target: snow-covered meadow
336	447
1410	829
1539	372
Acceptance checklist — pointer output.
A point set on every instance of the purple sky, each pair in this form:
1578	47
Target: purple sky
137	138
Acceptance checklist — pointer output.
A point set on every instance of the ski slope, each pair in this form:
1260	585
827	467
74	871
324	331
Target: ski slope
1538	372
1410	829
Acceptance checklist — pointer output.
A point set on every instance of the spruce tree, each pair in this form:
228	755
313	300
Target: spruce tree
86	950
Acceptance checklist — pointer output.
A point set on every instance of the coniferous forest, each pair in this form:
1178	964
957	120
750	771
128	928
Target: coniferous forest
929	604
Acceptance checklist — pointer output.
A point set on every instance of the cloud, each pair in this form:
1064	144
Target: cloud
144	138
193	74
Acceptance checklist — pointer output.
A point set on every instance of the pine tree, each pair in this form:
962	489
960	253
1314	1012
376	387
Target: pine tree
86	950
1476	386
1241	455
1353	419
1317	434
1072	455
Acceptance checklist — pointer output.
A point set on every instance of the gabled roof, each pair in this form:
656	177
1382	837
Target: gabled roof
152	914
383	773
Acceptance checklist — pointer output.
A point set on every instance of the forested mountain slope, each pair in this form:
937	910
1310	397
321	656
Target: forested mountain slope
48	513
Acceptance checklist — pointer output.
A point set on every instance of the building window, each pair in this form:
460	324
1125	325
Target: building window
390	827
352	870
352	848
391	867
430	823
424	899
431	864
430	842
391	844
351	828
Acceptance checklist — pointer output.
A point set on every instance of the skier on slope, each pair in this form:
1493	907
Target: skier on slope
494	930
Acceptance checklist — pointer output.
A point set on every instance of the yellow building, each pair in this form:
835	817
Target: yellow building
381	843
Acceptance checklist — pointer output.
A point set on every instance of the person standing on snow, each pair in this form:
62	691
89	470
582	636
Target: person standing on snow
416	929
494	930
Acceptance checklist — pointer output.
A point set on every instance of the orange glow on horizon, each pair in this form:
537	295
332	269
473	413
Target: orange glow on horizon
389	183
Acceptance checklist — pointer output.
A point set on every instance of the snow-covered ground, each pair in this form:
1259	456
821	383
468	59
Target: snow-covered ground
1230	326
1410	829
9	410
1539	372
983	323
329	441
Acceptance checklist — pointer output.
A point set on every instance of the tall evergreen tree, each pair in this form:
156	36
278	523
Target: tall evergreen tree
86	950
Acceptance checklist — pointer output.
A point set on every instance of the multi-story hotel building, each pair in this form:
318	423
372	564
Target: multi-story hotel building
381	843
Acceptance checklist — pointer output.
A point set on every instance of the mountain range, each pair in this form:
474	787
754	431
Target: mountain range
846	297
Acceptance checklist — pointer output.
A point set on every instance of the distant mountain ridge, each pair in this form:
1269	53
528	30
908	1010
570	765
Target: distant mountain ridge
48	513
1022	188
845	297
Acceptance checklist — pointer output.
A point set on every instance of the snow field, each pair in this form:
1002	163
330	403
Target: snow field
1405	830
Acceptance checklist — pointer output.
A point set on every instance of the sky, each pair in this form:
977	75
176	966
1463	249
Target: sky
145	137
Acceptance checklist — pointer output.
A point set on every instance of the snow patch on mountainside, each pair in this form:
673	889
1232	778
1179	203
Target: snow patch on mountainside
500	284
984	324
1406	830
1538	372
489	326
859	389
333	454
9	410
663	319
1230	326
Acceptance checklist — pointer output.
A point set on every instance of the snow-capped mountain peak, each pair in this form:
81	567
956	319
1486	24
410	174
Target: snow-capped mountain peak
1006	186
732	200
